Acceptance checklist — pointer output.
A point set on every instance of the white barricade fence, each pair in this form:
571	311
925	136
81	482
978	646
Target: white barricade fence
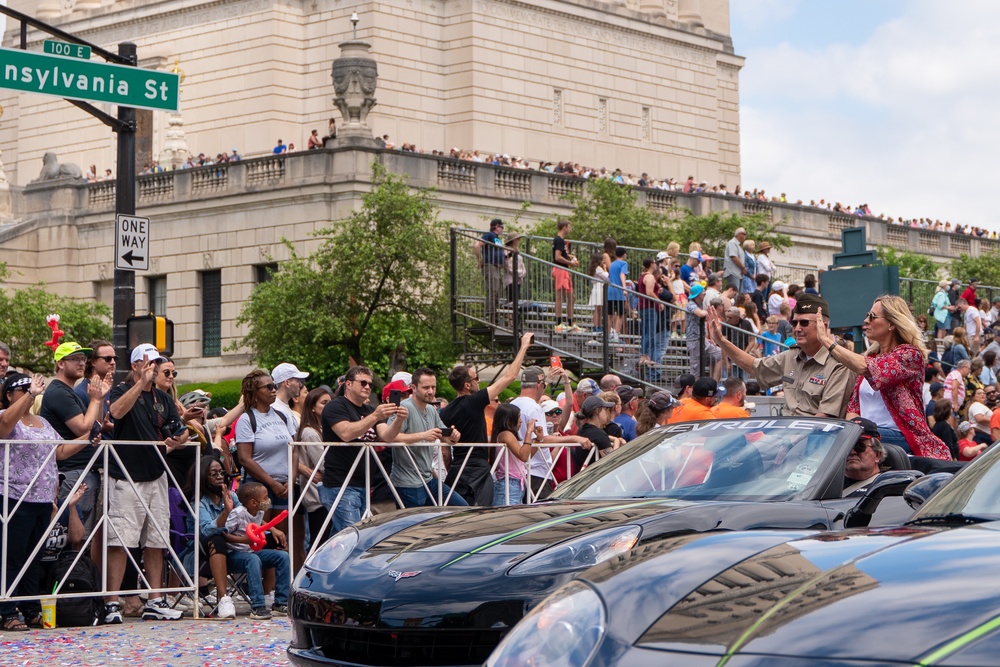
107	451
100	459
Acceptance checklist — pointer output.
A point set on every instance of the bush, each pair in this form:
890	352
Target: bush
225	394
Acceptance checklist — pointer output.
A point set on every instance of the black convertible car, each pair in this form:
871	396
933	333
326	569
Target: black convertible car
921	594
443	585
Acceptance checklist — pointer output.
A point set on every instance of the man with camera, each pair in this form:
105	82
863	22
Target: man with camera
140	515
412	467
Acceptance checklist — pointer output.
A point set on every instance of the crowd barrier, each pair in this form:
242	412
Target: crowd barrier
104	525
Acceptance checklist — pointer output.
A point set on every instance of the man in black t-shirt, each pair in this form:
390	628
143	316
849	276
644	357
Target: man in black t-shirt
467	413
73	419
141	413
489	251
349	418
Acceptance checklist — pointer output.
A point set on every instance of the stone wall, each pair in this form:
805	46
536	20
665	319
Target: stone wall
233	217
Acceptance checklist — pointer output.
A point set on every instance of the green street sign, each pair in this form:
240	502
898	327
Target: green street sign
58	48
89	81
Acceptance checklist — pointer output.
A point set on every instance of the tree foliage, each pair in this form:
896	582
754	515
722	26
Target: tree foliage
23	326
375	287
607	209
985	267
911	264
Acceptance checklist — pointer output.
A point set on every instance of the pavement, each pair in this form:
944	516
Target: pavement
137	643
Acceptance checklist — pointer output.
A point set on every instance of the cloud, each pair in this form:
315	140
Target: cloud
759	13
902	120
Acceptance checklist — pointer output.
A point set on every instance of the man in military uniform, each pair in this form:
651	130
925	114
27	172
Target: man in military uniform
814	383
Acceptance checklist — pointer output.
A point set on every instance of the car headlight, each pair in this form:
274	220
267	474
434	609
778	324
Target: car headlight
563	631
334	551
580	552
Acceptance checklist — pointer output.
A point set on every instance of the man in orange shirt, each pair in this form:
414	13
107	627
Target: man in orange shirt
731	405
699	405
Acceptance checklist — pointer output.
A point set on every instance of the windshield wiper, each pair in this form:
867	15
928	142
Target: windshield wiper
955	517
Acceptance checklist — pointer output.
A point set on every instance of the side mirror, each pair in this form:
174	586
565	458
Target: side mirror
891	483
916	494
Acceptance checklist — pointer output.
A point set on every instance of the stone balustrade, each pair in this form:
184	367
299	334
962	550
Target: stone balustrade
806	225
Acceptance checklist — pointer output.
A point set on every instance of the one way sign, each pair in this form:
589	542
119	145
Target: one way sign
131	243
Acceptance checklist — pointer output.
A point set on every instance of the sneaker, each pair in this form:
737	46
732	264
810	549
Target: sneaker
260	614
180	601
597	330
576	329
158	610
613	336
113	613
226	608
561	328
279	610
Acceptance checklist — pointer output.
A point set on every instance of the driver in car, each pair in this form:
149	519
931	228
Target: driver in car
864	461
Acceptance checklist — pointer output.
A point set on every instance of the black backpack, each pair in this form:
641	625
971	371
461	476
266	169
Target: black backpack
84	578
253	427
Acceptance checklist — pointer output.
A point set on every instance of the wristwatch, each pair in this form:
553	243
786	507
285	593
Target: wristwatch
831	346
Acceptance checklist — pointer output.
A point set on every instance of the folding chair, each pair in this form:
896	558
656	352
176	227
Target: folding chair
182	541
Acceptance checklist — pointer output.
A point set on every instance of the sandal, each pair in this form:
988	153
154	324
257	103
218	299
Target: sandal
35	621
14	624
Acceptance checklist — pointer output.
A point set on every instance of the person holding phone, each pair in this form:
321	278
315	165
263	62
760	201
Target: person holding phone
413	472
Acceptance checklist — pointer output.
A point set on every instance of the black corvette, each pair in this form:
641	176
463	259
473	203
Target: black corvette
921	594
443	585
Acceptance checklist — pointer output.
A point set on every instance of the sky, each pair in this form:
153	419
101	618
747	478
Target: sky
886	102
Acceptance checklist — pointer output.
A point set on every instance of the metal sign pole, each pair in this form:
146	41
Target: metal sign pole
124	293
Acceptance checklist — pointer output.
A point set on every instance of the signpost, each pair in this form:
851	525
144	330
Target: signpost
58	48
78	79
131	243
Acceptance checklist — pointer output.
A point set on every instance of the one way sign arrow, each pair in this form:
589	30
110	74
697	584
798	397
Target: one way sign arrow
130	257
131	243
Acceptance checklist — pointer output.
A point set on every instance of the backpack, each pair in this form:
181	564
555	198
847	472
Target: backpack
84	578
253	427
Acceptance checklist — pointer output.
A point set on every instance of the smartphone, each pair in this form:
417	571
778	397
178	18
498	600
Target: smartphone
395	396
446	432
95	430
555	361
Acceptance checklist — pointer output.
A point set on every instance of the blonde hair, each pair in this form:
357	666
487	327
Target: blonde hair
958	336
694	245
673	248
897	313
749	245
610	397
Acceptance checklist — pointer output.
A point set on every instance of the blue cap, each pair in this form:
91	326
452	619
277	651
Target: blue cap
696	291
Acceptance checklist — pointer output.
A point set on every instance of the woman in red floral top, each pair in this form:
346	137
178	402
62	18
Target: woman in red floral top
890	377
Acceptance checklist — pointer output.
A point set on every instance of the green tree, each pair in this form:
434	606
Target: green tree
376	286
911	265
608	209
714	230
985	267
23	324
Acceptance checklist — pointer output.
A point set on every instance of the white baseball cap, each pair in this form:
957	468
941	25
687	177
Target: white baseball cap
148	351
407	378
284	372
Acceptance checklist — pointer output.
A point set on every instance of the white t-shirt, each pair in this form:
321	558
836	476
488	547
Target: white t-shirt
541	460
976	408
972	328
774	303
873	407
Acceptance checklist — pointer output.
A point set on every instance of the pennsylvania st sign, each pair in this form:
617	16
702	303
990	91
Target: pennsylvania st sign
80	79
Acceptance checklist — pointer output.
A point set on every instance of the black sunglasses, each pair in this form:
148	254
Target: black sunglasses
107	359
861	445
169	374
365	383
801	323
269	386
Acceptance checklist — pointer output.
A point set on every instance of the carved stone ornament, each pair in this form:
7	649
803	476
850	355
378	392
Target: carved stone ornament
52	170
355	77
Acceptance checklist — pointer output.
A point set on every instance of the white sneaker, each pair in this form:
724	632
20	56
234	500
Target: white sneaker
180	601
226	608
158	610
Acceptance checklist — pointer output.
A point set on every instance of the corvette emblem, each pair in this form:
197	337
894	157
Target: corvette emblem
403	575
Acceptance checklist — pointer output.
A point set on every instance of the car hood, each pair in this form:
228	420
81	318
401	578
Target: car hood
911	594
524	528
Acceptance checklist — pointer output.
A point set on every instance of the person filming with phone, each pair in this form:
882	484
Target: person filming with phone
141	412
413	472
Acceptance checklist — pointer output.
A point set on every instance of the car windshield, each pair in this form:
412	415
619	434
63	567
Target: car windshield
752	459
975	492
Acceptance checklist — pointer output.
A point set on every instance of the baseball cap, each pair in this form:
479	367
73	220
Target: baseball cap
594	403
936	387
143	351
695	255
662	400
407	378
869	428
627	393
684	381
395	385
777	286
67	349
532	375
696	290
964	426
548	405
705	388
284	372
662	255
588	386
16	381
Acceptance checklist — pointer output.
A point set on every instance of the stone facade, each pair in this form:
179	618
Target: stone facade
232	219
644	85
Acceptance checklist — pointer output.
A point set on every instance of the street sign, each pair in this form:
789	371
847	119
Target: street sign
131	243
89	81
58	48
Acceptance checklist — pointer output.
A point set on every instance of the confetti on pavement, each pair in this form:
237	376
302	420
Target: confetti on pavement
184	643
